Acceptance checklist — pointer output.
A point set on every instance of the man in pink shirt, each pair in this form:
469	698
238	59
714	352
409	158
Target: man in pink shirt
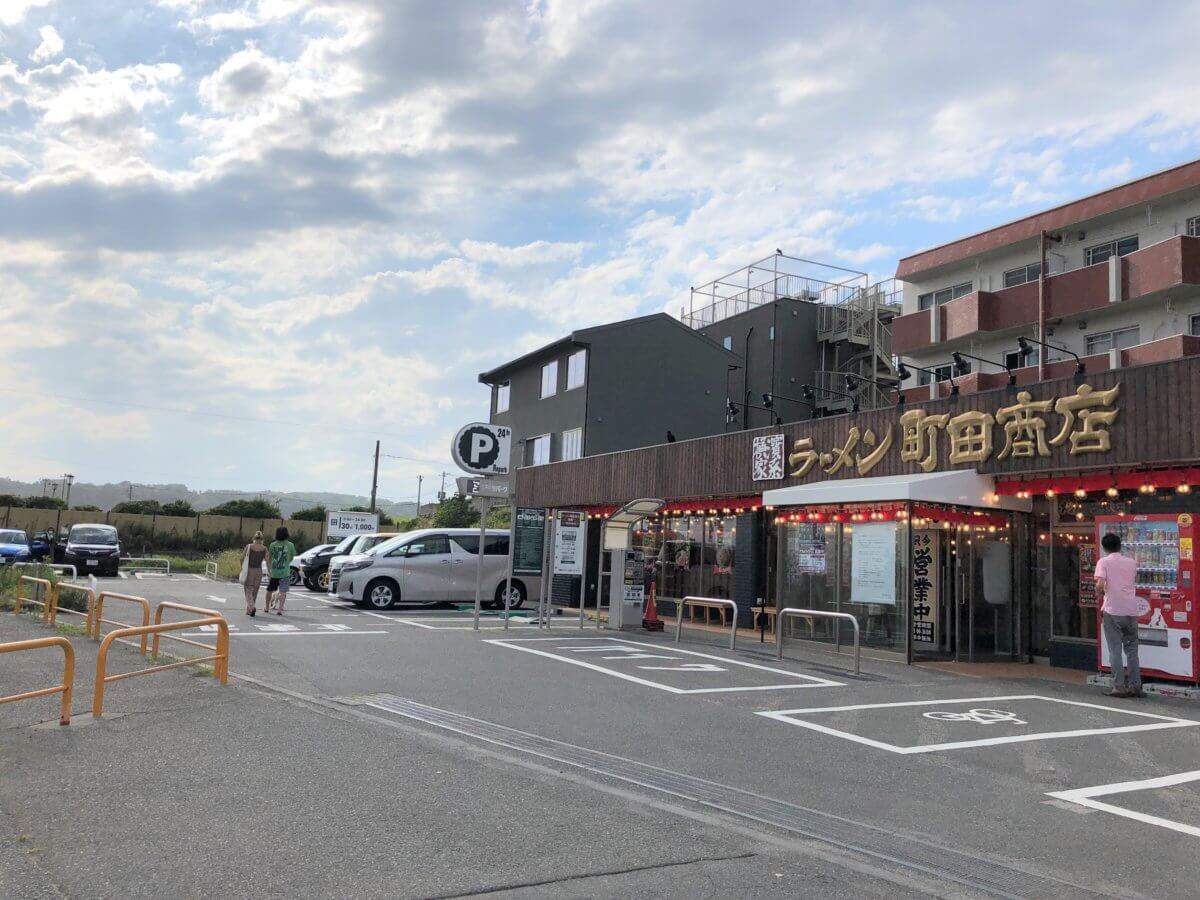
1115	578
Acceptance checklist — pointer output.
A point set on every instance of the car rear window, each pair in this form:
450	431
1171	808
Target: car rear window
493	544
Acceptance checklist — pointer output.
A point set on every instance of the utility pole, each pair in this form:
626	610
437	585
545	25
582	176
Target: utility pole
68	477
131	492
420	478
442	492
375	477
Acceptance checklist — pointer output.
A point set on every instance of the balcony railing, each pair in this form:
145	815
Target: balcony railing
1147	272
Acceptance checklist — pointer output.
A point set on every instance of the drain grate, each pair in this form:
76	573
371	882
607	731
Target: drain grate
942	863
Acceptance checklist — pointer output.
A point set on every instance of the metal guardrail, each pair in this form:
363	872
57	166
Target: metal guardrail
154	563
220	655
96	617
816	614
45	589
68	682
718	601
68	586
65	569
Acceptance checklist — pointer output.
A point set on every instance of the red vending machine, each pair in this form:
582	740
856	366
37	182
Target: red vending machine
1169	627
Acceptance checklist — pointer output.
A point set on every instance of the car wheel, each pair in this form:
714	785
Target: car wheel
381	593
295	579
323	581
311	585
516	596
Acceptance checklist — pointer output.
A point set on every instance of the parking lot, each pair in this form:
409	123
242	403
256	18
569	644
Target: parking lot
1049	785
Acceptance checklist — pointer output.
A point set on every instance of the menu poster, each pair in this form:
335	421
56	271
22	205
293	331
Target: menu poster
635	579
529	540
568	544
1087	575
873	566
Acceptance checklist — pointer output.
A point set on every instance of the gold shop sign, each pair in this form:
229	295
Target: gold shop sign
1028	428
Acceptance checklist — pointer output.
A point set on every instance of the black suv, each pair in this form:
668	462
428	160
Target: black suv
315	567
93	549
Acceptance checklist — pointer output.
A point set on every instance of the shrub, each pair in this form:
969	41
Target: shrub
312	514
247	509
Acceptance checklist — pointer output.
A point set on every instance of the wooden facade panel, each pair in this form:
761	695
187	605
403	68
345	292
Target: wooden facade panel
1156	426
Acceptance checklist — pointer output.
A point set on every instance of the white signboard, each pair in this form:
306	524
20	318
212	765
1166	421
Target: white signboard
568	544
873	564
482	448
767	457
343	524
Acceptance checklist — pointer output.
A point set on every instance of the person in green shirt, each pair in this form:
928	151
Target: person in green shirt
280	553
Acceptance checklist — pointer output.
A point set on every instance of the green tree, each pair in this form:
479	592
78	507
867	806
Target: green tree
247	509
312	514
402	524
455	512
500	517
10	500
138	507
43	503
180	508
86	507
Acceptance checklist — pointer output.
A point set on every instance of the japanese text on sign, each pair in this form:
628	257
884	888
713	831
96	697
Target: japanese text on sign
925	587
1028	429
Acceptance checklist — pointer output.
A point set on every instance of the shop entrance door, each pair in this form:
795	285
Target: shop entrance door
986	625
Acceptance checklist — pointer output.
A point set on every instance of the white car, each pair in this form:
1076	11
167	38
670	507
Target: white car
431	565
361	545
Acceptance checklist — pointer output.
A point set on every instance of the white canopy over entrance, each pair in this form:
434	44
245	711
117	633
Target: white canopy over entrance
959	487
618	526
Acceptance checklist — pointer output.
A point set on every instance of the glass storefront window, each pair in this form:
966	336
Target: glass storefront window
1074	562
720	536
678	561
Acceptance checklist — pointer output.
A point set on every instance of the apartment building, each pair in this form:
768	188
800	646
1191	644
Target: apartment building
1121	286
612	387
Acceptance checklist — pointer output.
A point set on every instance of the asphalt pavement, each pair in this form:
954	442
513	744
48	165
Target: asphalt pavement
602	764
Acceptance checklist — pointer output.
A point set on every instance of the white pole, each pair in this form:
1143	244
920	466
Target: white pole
583	573
483	514
512	544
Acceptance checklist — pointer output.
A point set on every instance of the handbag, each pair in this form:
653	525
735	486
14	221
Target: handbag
245	573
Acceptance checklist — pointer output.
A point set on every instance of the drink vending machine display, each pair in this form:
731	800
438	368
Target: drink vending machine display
1169	625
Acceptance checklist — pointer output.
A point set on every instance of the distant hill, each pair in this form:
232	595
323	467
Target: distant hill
107	496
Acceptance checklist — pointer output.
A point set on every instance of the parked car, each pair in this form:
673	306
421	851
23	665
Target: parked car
431	565
362	544
298	563
92	549
314	571
42	545
14	547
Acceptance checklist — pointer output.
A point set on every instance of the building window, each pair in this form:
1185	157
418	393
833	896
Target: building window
1031	272
1113	340
1194	325
1014	360
943	373
945	295
1101	252
1193	228
549	379
539	450
771	335
576	364
727	342
502	392
572	444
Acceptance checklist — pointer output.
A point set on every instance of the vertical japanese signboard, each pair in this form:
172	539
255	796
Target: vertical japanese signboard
529	540
568	543
926	551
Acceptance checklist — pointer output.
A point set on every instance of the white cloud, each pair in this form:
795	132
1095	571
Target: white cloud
50	47
13	12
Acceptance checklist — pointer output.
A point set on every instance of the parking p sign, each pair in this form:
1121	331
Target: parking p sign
482	448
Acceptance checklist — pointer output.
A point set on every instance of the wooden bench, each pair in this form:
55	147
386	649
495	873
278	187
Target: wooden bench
708	608
770	612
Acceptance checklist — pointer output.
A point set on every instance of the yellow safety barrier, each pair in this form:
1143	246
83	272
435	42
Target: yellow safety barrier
68	683
68	586
49	597
220	656
96	615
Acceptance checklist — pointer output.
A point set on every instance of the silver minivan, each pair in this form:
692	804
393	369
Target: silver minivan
431	565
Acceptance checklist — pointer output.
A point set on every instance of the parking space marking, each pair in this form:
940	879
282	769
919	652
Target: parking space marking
977	716
1086	797
638	650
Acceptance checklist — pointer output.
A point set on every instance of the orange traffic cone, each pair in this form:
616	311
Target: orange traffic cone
650	618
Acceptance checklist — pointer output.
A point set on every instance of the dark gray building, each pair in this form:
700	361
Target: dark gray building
612	387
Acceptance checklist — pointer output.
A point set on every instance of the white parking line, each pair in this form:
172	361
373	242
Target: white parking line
791	717
806	681
1085	797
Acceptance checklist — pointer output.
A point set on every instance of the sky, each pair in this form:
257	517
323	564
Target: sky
241	240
